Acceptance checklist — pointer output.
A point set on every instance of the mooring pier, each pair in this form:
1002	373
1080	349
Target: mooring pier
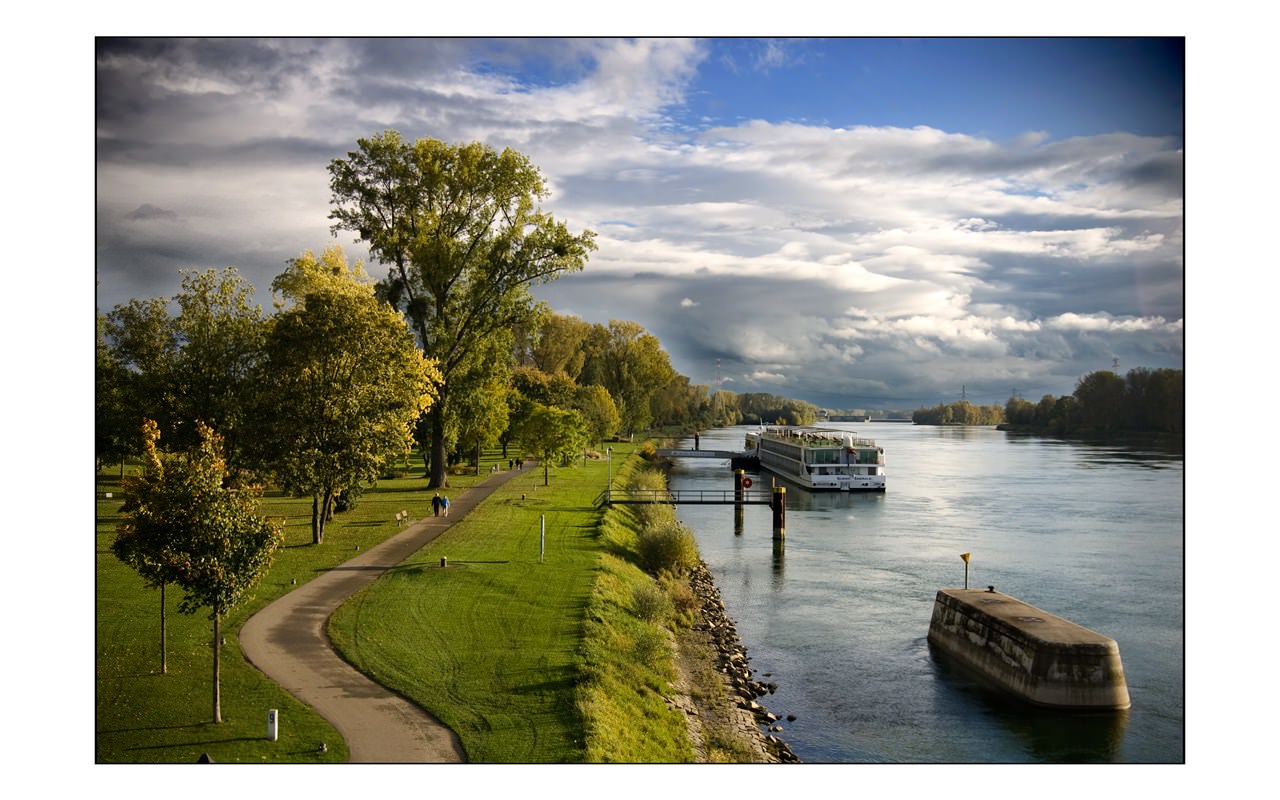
705	497
745	459
740	495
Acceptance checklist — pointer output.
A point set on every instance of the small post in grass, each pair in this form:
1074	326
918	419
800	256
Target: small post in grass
542	539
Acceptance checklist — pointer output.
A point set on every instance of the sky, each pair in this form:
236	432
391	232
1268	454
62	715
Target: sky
864	223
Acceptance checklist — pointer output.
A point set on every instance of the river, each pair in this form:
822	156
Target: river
837	615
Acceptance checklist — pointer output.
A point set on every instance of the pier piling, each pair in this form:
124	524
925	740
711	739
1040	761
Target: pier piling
779	512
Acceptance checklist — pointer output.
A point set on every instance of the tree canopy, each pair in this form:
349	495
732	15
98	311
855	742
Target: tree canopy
1143	400
340	386
177	369
552	433
463	236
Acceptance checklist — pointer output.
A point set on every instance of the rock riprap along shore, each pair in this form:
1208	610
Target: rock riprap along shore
732	662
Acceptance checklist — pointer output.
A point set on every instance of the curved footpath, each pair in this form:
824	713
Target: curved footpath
288	642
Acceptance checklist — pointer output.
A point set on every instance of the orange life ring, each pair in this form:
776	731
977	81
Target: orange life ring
746	483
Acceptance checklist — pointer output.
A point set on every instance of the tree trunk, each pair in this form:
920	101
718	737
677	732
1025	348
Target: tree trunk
164	650
317	520
217	666
439	472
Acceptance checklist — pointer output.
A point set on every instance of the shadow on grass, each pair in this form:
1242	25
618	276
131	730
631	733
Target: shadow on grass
192	725
553	686
461	561
193	742
372	496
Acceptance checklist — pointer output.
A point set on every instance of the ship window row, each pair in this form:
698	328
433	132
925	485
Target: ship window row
858	471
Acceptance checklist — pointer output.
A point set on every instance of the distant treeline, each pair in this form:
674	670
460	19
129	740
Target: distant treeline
731	408
1103	402
961	412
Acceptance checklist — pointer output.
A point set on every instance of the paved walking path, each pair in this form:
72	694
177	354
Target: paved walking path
287	641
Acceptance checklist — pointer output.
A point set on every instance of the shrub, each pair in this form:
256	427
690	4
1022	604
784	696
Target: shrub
651	515
346	499
650	646
668	545
651	602
684	602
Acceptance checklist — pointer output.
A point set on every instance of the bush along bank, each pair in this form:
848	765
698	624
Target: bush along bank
662	673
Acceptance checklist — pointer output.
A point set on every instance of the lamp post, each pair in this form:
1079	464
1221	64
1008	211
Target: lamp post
608	466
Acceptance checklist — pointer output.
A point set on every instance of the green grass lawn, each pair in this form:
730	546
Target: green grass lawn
490	644
531	649
144	716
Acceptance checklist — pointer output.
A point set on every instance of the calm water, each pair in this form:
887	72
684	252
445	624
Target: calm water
838	616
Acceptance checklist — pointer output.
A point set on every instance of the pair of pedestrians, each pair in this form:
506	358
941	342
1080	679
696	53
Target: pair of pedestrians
440	505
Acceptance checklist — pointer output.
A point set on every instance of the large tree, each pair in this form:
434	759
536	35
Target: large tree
1101	400
195	365
629	362
598	411
136	363
558	344
340	386
184	523
110	409
460	228
481	386
553	433
220	330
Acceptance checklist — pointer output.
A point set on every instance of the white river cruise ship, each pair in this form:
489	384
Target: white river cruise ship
820	458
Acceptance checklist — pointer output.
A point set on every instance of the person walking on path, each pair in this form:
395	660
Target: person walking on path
287	641
435	504
444	504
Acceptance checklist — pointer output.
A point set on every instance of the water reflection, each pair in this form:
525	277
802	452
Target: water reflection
1053	735
1146	450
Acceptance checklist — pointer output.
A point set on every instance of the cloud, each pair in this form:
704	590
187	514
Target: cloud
146	212
850	264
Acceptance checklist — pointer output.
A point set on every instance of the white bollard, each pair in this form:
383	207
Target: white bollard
273	724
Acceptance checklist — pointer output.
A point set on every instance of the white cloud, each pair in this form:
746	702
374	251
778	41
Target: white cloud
845	258
1071	321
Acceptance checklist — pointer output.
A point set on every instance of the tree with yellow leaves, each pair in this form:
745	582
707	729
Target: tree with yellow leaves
342	383
183	525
